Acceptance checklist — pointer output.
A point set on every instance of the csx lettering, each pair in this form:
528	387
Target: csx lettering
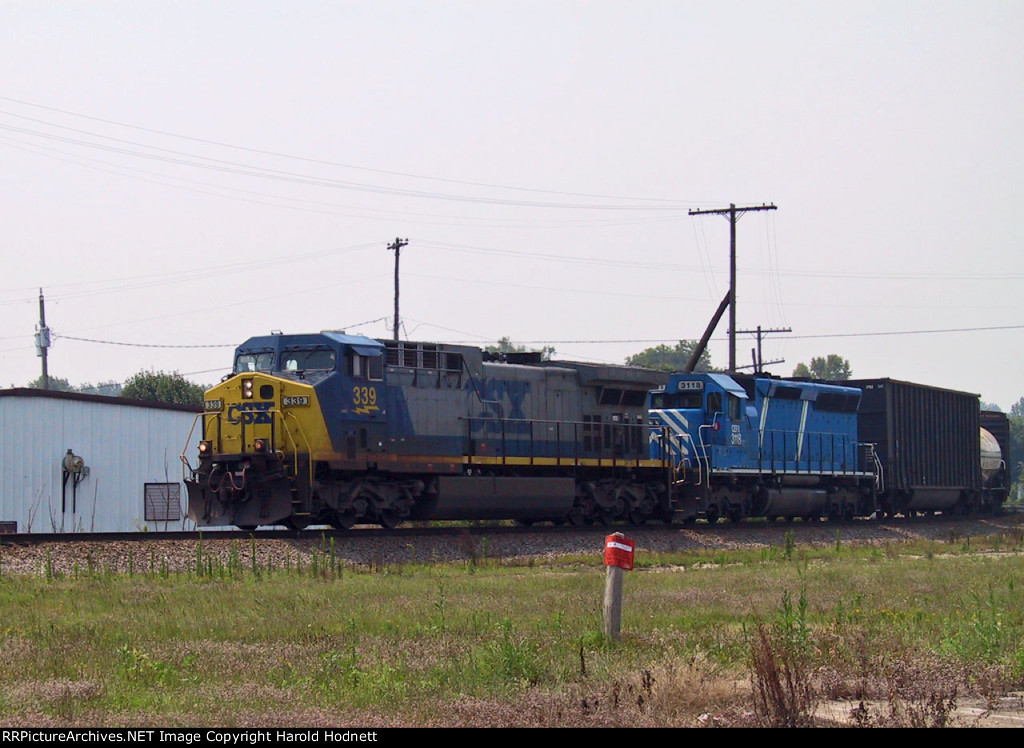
250	413
496	418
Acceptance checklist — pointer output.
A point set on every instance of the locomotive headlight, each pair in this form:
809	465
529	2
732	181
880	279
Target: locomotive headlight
247	389
259	445
205	448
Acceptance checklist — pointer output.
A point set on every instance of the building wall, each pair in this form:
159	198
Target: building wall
125	445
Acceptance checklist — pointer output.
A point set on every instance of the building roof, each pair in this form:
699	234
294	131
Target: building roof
99	399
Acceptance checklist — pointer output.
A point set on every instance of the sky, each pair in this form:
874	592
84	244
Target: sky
176	177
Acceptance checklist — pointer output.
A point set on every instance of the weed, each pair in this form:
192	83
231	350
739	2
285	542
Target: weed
789	546
783	695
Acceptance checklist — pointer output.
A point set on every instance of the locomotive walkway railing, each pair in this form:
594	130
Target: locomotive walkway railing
539	441
778	452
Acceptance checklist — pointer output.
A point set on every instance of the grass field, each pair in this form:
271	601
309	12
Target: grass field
733	638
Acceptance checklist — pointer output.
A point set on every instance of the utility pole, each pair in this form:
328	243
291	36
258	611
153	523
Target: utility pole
733	213
43	340
759	362
397	247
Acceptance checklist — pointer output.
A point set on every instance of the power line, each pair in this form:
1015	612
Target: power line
142	345
609	341
130	148
321	162
793	337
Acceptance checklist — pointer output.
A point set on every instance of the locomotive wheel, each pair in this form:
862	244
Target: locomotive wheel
388	519
247	528
344	520
296	523
577	517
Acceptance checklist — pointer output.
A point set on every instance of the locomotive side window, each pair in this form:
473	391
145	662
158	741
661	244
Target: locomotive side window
367	367
691	400
714	402
735	408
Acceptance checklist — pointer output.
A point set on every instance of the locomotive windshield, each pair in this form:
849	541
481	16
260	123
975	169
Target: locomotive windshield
677	400
254	362
322	359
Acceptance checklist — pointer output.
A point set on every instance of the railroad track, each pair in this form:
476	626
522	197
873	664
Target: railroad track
412	531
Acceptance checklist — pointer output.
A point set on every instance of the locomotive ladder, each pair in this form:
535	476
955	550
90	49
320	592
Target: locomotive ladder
298	510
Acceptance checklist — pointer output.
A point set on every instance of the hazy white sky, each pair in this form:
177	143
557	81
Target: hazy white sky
179	176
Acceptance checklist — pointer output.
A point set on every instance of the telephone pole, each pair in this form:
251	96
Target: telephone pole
397	247
733	214
43	340
758	361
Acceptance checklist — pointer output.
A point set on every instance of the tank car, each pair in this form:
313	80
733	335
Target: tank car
995	455
757	446
337	429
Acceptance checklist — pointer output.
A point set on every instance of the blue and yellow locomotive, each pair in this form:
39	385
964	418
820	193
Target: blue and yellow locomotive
340	429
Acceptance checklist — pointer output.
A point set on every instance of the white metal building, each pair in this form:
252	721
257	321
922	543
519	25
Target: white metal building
86	463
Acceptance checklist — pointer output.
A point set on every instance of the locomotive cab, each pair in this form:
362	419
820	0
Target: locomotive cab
700	421
263	431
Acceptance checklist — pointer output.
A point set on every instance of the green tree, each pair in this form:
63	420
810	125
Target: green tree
109	388
833	368
55	384
163	387
1016	466
59	384
671	358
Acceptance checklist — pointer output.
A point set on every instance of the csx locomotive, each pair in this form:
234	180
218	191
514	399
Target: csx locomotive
335	429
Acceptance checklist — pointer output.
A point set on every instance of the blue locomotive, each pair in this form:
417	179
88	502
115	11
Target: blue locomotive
744	446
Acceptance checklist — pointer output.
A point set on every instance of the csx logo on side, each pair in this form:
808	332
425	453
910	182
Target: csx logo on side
250	413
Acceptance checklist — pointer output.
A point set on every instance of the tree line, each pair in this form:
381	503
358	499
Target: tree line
149	386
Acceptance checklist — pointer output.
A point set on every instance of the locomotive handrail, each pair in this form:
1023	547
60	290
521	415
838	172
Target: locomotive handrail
701	460
185	464
632	450
704	453
877	463
283	415
294	443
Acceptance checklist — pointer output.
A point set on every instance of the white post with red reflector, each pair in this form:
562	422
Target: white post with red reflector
618	556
